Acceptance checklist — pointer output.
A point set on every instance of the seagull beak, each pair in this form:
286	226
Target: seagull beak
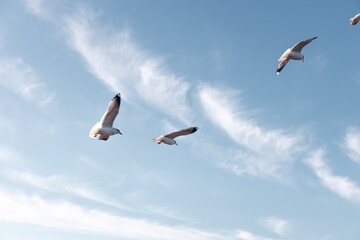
302	60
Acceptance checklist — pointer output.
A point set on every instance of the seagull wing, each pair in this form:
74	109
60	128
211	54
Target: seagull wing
113	109
185	131
355	19
95	130
299	46
281	66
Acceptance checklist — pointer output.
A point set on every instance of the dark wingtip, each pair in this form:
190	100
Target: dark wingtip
117	97
194	129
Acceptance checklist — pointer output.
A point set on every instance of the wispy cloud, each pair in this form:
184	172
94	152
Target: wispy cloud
56	183
277	225
33	209
116	59
37	8
264	152
244	235
8	155
352	144
19	77
62	184
168	212
342	186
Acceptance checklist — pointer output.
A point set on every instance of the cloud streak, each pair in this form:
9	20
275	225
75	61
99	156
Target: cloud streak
8	155
37	8
244	235
341	186
352	144
277	225
115	58
265	152
33	209
19	77
56	183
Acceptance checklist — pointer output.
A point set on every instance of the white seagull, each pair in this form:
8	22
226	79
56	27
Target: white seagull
293	53
355	19
169	138
104	129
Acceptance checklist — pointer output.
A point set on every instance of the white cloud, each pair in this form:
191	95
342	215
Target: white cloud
57	183
37	8
244	235
61	184
21	208
266	152
116	59
168	212
342	186
19	77
277	225
352	144
8	155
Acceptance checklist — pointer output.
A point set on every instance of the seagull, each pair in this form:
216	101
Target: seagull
293	53
169	138
355	19
104	129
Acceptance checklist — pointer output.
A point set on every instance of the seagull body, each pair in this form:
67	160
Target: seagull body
169	138
355	19
104	129
293	53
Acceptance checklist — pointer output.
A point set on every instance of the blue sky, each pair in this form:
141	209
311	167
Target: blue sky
275	157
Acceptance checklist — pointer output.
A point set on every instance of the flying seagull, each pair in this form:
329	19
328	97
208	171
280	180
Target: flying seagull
293	53
355	19
104	129
169	138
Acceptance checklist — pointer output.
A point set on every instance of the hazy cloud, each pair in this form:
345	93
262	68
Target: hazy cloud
57	183
115	58
342	186
352	144
19	77
33	209
264	152
8	155
277	225
37	8
244	235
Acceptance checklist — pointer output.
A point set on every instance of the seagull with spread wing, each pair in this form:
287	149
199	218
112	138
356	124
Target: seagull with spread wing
355	20
293	53
169	138
104	129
